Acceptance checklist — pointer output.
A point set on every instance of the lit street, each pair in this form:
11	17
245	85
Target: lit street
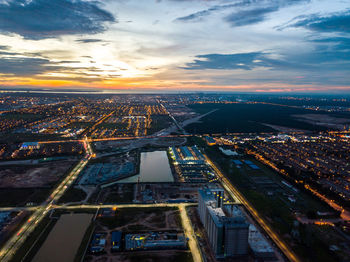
15	242
234	192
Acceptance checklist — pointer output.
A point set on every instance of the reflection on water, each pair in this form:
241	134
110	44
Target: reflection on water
154	168
64	239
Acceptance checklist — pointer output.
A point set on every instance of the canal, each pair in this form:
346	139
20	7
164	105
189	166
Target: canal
64	239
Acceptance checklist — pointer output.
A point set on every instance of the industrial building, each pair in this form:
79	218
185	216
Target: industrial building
98	243
154	241
187	155
116	240
227	235
190	164
5	218
259	245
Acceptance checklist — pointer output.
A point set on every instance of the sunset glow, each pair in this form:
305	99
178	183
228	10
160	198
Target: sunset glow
272	46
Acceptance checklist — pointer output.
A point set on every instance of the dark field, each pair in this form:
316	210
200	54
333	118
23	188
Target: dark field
248	118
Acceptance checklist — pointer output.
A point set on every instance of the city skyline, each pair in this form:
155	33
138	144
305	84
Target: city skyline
174	45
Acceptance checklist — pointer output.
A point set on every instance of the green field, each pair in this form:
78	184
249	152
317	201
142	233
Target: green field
277	210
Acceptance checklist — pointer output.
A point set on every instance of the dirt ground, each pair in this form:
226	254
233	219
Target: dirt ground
325	120
41	175
145	256
138	143
139	220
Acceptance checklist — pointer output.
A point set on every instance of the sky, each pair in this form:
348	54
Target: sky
178	45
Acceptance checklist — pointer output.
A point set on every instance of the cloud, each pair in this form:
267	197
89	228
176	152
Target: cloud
247	11
248	17
337	43
246	61
25	66
322	59
88	40
336	22
38	19
198	15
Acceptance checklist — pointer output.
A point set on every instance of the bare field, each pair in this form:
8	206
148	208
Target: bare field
324	120
146	256
131	144
41	175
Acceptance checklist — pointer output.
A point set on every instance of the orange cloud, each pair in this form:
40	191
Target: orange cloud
156	84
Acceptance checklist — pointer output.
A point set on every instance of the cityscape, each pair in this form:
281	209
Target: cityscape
174	131
119	177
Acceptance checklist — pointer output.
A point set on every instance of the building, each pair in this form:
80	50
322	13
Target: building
116	240
191	165
187	155
228	235
259	245
210	141
155	241
29	146
98	243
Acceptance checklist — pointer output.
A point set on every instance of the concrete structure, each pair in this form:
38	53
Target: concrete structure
228	235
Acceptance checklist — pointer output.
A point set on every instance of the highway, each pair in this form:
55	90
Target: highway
174	120
15	242
233	191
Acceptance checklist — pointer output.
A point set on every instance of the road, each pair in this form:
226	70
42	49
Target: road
233	191
174	120
189	232
16	241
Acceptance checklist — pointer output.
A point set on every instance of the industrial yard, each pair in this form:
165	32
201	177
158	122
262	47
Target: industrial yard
119	233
